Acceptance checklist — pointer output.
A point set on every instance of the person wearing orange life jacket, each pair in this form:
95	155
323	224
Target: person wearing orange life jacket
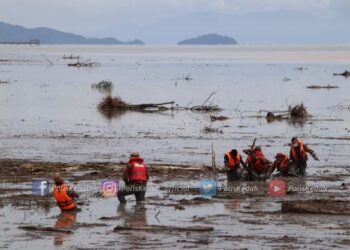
281	164
298	155
135	178
64	195
233	160
258	164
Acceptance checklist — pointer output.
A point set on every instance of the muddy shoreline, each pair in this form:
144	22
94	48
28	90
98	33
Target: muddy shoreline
233	214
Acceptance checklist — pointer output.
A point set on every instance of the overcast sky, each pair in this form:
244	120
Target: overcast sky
168	21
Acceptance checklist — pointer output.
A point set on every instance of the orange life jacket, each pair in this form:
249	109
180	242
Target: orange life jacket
258	162
302	152
282	164
64	201
138	170
232	162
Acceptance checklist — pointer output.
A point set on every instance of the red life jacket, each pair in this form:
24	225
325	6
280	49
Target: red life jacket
138	170
258	162
232	162
282	162
64	201
302	152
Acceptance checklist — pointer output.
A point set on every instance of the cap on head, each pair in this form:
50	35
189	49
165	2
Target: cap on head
233	152
134	155
294	139
58	179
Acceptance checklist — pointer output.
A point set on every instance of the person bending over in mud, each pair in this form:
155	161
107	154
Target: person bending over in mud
259	167
64	195
298	156
135	178
233	160
281	164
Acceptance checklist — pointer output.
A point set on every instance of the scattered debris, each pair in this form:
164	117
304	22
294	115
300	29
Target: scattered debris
187	77
218	118
208	130
322	86
300	68
164	228
114	106
286	79
345	74
297	112
84	64
179	207
103	86
317	207
71	56
342	105
44	229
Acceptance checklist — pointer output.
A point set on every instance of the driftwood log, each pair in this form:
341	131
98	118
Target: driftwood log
164	228
45	229
317	207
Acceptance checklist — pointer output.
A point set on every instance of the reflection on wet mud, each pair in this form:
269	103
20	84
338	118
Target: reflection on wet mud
65	220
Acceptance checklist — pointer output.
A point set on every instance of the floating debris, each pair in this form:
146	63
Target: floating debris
209	130
297	112
103	86
322	86
71	56
345	74
84	64
218	118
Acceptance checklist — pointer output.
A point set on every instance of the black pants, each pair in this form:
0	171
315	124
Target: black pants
233	174
138	189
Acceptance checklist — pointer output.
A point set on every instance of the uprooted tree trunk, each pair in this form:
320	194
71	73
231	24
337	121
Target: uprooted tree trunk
112	106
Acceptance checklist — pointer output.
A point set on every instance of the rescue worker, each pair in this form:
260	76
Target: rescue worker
258	165
233	160
135	178
281	164
298	155
64	195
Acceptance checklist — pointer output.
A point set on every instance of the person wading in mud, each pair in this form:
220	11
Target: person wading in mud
257	163
281	164
64	195
298	156
233	160
135	178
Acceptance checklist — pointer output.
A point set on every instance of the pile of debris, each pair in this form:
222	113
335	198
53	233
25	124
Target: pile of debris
297	112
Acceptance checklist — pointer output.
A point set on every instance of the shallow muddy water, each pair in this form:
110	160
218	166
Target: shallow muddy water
48	112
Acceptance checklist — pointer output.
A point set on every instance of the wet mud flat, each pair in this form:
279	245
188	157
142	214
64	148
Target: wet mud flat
313	214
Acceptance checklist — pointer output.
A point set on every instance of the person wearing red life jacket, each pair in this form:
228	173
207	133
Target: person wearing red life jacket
232	161
298	155
135	178
64	195
257	163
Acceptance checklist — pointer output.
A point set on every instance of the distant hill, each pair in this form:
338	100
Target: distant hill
210	39
15	33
